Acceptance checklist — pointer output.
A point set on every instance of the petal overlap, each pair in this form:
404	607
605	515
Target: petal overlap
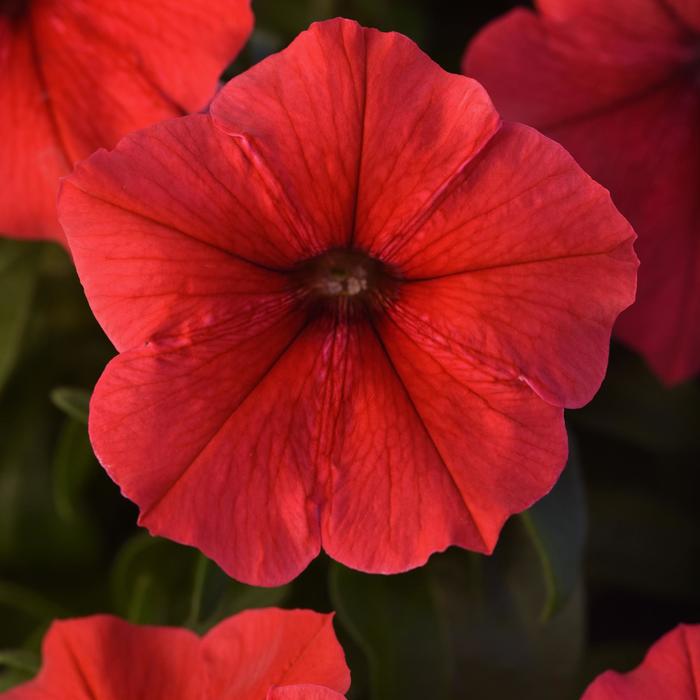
616	84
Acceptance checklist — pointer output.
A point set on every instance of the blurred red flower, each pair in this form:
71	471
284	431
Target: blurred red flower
350	306
616	82
670	671
266	654
76	75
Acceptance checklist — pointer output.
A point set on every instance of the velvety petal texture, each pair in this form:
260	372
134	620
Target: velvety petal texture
342	325
253	656
615	81
671	670
77	75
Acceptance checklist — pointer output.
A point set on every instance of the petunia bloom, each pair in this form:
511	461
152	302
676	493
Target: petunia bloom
350	306
670	671
266	654
616	82
76	75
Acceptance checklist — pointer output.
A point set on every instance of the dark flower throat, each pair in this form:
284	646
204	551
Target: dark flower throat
345	280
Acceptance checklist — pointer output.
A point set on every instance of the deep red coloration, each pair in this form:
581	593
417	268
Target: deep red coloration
617	82
13	10
257	655
350	305
76	75
670	671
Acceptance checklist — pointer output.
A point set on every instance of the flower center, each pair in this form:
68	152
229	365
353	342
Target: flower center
13	9
346	279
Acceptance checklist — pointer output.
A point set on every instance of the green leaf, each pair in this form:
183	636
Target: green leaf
155	581
556	526
73	402
32	534
19	267
73	465
396	622
634	406
223	597
200	576
150	580
29	602
11	677
21	660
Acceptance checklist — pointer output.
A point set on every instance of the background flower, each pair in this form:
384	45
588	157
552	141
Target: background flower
670	670
257	655
75	77
616	83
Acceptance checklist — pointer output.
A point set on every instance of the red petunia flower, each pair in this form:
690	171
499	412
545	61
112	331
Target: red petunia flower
350	305
616	82
76	75
257	655
670	671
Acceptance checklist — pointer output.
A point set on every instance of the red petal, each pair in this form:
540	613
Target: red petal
421	460
569	70
655	183
32	158
242	658
78	78
600	84
508	261
107	73
230	470
303	692
642	18
391	500
252	652
106	658
687	11
331	110
300	113
412	156
165	231
671	669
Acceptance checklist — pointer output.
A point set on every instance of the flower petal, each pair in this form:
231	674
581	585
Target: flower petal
303	692
686	11
511	256
230	470
671	669
654	183
370	166
76	78
411	157
32	158
601	78
574	68
174	241
643	18
137	64
422	461
252	652
106	658
301	113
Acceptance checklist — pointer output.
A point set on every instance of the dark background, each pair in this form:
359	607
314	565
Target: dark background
586	581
